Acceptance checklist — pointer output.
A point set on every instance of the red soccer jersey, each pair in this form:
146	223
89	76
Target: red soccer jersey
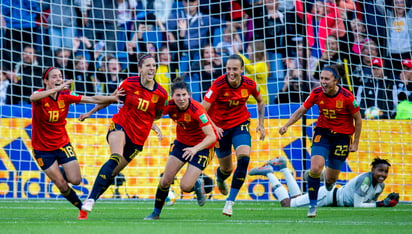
189	122
335	113
49	121
228	107
139	108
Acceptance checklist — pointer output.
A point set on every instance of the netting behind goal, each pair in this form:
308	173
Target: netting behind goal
285	45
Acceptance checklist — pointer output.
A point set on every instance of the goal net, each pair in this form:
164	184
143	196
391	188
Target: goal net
285	45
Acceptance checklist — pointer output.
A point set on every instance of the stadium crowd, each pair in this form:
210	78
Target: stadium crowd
285	45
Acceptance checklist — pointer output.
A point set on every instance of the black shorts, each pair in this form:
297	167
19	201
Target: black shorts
200	160
130	149
63	155
333	146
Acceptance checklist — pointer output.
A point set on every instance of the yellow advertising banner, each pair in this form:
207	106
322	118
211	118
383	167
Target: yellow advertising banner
20	177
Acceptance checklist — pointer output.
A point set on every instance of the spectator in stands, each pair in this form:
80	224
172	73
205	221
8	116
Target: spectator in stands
19	17
376	91
209	68
404	84
189	30
83	46
4	85
359	35
26	77
270	26
398	33
256	68
110	74
62	21
83	76
166	71
63	61
230	39
102	23
331	55
318	21
368	52
302	62
126	13
294	90
146	33
404	108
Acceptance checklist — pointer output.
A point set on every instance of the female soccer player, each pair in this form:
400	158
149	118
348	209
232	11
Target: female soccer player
361	191
50	140
332	139
225	102
144	102
193	145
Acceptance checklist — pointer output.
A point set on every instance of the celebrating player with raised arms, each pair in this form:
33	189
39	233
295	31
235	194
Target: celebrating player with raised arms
50	141
144	102
361	191
332	139
225	102
193	145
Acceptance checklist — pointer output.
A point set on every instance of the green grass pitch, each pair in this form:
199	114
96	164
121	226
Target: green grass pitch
126	217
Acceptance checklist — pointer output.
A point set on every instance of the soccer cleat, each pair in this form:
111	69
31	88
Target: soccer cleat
200	192
279	162
88	205
312	212
228	209
263	171
152	216
221	185
82	215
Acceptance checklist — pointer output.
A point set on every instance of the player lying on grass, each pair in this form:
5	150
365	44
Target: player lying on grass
361	191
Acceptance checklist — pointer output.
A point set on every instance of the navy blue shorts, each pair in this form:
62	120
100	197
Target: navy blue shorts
236	136
200	160
130	149
333	146
63	155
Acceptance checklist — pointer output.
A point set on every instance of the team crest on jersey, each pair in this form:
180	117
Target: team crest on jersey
339	104
155	98
61	104
244	93
187	117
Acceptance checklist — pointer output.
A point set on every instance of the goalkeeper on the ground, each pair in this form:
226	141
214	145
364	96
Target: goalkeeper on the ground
361	191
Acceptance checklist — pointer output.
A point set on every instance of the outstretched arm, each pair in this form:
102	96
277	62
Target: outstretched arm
358	128
116	95
295	117
210	138
261	116
43	94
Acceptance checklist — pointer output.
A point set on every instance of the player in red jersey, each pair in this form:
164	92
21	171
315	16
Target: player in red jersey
332	140
50	141
193	145
144	102
225	102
